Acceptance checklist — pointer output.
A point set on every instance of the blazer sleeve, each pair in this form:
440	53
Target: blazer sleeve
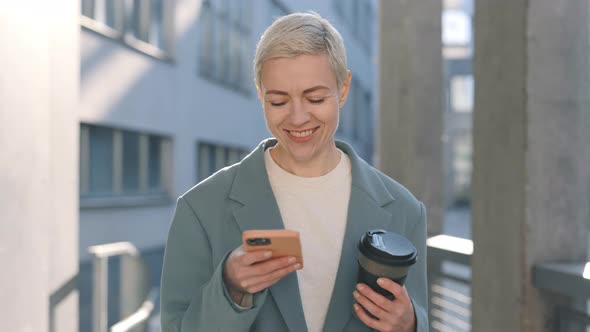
416	283
192	289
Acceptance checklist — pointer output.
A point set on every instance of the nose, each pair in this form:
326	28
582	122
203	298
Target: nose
299	114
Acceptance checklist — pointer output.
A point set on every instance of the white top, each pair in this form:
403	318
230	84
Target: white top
318	208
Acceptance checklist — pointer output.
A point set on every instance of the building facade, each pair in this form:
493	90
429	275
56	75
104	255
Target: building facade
167	98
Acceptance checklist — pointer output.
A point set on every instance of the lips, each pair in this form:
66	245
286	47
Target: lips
301	135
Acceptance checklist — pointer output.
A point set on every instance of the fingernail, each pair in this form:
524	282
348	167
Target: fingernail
355	294
380	281
360	287
268	254
356	307
292	260
297	266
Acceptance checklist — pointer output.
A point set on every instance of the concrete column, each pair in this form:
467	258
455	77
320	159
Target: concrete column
531	183
411	109
39	83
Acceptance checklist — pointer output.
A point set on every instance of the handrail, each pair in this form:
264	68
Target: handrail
571	279
449	259
140	316
130	269
113	249
450	248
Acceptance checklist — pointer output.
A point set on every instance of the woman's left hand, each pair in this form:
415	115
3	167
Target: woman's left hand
396	315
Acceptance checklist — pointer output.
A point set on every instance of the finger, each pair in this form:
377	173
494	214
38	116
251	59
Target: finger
378	299
266	267
272	265
249	258
399	292
368	320
371	307
256	284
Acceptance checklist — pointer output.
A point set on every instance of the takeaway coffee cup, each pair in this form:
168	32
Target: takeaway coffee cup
384	254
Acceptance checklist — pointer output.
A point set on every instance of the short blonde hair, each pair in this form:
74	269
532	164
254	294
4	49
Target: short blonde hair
301	33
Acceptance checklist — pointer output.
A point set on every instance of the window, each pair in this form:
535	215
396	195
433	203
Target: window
461	154
117	163
213	157
130	21
358	14
462	93
225	27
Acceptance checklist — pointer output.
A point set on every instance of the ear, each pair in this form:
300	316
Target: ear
345	89
259	93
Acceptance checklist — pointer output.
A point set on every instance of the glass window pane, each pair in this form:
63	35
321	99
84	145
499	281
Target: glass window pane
81	159
222	56
130	162
233	157
154	163
369	121
156	24
88	8
101	160
134	21
111	13
139	27
206	39
462	93
235	58
211	159
219	157
246	77
203	161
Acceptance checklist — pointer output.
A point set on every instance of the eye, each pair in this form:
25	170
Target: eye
317	101
277	104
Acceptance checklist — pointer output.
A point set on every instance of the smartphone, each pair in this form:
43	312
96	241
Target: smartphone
282	242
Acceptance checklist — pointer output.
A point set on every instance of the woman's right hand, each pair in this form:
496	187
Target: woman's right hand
252	272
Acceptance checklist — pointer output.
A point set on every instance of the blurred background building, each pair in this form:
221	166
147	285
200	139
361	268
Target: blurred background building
167	98
458	94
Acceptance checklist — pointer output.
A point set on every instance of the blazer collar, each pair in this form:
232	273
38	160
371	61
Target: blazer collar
251	182
259	210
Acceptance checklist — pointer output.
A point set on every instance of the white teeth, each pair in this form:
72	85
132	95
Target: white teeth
302	133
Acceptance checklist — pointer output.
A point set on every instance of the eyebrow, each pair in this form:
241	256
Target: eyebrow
283	93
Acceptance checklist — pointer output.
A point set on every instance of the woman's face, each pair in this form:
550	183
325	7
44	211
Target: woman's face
301	103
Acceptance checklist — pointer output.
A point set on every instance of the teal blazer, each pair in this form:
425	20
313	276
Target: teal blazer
208	224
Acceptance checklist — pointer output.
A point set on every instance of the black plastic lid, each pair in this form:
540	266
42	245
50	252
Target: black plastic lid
387	248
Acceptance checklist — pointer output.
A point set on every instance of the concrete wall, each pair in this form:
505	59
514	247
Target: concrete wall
411	109
38	165
531	181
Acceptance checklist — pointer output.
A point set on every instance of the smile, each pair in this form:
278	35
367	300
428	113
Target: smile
303	133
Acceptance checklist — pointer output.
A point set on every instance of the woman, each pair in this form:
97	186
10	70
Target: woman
301	179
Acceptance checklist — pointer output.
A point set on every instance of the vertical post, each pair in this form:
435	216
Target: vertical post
39	84
100	288
411	110
531	182
134	287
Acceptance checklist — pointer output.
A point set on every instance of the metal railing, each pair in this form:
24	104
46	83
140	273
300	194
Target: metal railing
449	274
449	278
571	280
135	304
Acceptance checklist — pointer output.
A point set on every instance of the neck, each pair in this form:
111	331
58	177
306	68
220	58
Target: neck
320	165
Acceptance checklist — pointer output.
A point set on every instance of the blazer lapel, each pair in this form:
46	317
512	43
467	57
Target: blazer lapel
367	198
260	210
